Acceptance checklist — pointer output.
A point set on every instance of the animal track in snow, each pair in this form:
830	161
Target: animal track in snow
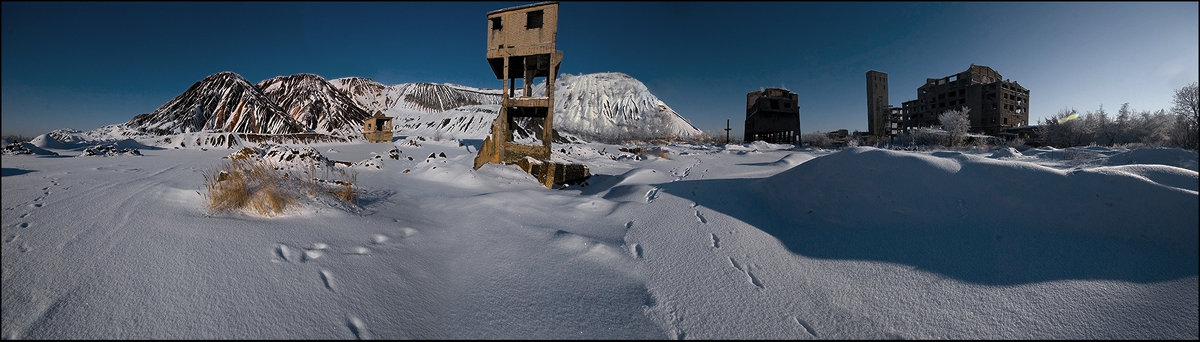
327	278
636	251
284	252
807	328
750	276
356	327
700	217
753	279
360	250
651	195
378	238
24	225
311	254
716	242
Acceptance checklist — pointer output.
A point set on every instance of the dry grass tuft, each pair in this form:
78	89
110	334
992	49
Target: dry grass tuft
346	192
248	182
242	183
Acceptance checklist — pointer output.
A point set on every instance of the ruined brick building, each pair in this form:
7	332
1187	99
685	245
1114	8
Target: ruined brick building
378	128
995	103
877	103
772	115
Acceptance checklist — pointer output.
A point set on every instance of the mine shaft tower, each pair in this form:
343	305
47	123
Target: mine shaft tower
521	44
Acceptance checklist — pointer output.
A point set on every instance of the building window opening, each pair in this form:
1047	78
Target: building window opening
496	24
533	19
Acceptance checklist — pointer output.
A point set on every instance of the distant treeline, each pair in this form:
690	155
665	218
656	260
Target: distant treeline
1174	128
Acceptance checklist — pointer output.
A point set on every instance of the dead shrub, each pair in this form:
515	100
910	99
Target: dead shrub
242	183
347	193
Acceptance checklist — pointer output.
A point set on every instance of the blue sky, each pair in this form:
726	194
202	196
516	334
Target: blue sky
85	65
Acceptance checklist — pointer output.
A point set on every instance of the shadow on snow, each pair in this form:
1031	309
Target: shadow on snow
987	253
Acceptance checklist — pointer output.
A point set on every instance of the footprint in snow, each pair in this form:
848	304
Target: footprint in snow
284	252
327	279
311	254
651	195
807	328
746	270
378	238
357	327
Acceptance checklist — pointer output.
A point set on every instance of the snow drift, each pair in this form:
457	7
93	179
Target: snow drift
987	220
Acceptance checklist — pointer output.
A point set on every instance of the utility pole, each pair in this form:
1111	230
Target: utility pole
727	131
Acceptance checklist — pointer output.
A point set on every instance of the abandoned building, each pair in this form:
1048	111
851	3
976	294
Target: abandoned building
378	128
995	104
772	115
878	109
521	45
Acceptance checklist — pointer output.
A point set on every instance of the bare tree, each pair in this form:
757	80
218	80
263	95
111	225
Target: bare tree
956	123
1187	110
816	139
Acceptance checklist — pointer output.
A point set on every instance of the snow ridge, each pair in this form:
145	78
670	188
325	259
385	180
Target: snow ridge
220	102
604	107
424	97
315	103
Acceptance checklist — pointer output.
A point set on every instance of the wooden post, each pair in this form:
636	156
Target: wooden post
726	131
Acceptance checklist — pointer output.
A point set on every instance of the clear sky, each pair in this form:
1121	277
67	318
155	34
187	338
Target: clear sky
85	65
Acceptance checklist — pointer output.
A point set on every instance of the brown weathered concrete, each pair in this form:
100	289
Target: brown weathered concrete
378	128
521	45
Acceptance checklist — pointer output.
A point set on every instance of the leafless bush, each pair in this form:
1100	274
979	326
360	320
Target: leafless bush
249	182
241	183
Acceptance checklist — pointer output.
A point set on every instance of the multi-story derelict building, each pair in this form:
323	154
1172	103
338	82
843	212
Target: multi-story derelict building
772	115
995	103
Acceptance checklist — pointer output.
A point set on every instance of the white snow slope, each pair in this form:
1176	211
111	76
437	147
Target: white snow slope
608	107
614	107
753	241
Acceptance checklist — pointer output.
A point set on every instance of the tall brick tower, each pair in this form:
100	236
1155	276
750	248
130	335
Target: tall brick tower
877	103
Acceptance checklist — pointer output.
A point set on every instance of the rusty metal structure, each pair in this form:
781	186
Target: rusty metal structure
378	128
521	44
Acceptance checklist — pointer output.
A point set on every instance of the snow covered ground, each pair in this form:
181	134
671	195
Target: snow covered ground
750	241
